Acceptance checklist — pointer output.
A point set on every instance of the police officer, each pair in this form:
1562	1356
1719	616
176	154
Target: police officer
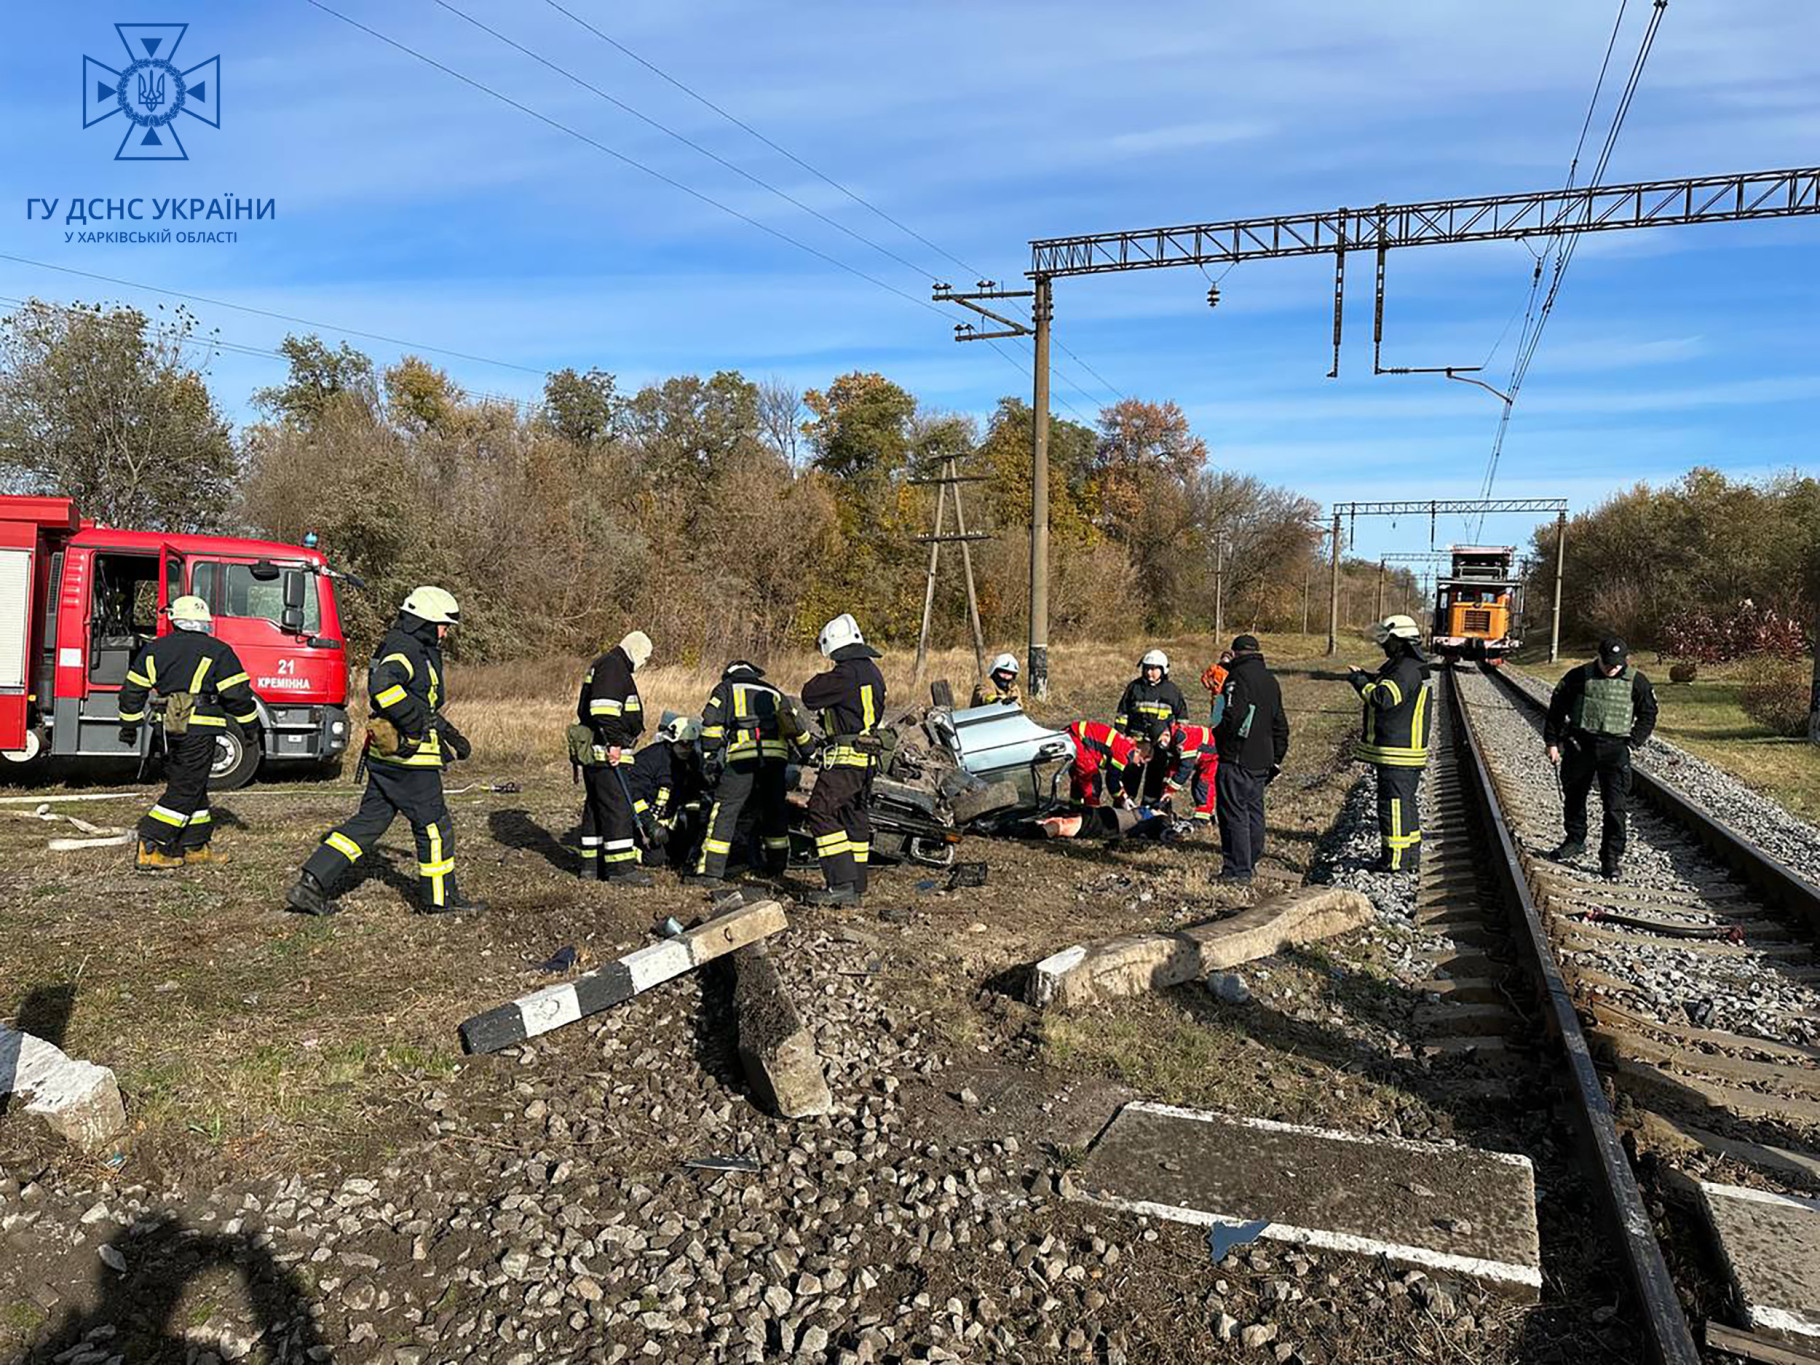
205	691
408	744
665	780
1151	702
748	735
850	698
609	705
1251	740
1599	714
1394	738
1000	684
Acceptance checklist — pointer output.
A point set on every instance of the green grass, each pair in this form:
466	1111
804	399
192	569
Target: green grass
22	1317
1705	718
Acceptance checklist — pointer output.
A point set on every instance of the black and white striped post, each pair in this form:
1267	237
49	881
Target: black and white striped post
620	980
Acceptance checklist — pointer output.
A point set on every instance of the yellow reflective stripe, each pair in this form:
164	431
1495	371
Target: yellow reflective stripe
202	671
165	815
739	701
219	722
717	845
860	851
224	683
247	718
343	845
663	796
1419	718
133	677
409	672
201	817
641	806
127	717
1390	686
438	867
605	706
633	703
713	731
868	707
151	668
390	697
435	684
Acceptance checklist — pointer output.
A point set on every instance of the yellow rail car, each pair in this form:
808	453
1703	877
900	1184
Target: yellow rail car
1479	604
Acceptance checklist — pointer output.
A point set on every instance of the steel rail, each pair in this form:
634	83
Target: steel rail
1762	869
1671	1342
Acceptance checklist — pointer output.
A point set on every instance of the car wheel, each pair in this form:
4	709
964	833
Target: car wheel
235	761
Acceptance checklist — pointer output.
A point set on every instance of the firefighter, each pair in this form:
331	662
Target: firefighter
1103	756
749	733
609	705
1252	738
850	698
1213	678
665	780
1151	702
409	742
1003	684
204	690
1394	738
1600	714
1197	766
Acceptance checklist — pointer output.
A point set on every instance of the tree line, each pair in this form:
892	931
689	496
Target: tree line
723	514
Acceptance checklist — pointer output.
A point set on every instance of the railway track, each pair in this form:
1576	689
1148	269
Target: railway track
1683	1002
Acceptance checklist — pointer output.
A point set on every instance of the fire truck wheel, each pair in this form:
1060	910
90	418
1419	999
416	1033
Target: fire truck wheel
235	761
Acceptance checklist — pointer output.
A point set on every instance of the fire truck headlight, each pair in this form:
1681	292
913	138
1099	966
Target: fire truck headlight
337	727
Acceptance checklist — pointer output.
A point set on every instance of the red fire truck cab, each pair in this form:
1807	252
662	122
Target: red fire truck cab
78	600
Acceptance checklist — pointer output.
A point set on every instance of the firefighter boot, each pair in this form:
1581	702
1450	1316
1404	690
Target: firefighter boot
309	896
1568	849
845	893
633	875
705	881
151	858
453	903
205	854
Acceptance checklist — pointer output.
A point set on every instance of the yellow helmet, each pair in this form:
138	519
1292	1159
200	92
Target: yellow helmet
189	608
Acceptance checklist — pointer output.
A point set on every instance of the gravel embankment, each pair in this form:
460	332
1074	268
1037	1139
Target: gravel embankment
1745	994
1784	836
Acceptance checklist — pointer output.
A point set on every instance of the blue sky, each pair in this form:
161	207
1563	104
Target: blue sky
413	205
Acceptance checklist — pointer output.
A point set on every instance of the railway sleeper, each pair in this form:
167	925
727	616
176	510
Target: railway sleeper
1679	1060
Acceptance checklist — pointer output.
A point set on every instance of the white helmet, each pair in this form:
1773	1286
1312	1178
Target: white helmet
842	631
1396	628
679	729
189	612
638	647
435	605
1005	663
1155	659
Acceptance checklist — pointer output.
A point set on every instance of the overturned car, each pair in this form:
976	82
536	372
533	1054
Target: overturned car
943	771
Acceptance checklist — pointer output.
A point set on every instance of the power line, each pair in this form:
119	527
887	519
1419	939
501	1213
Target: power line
267	313
1568	244
621	157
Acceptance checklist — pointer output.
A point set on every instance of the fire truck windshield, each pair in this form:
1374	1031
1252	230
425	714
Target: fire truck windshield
233	589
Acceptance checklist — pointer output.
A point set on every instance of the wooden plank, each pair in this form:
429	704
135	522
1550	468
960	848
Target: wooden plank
1752	1346
618	981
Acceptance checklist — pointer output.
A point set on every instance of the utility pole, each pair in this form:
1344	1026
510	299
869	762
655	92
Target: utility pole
948	484
1380	607
1219	588
1036	666
1333	589
1307	573
1554	625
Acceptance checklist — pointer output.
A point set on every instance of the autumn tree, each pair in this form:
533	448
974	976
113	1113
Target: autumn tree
106	407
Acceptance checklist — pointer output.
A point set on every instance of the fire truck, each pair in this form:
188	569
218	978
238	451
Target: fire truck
77	601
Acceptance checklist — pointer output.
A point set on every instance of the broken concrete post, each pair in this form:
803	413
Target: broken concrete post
1134	963
79	1100
618	981
777	1051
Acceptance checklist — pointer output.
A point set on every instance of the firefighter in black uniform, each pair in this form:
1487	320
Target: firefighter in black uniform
609	705
1394	739
850	698
408	745
669	799
1599	715
1152	703
205	691
749	733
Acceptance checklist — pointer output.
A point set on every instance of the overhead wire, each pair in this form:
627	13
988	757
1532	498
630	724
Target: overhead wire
636	164
1566	244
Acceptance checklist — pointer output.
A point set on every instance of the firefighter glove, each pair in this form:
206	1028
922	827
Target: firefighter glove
457	742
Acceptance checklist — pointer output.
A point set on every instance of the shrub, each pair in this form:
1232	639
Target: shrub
1684	672
1718	637
1775	694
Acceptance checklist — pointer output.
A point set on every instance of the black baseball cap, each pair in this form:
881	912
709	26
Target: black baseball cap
1241	643
1612	650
